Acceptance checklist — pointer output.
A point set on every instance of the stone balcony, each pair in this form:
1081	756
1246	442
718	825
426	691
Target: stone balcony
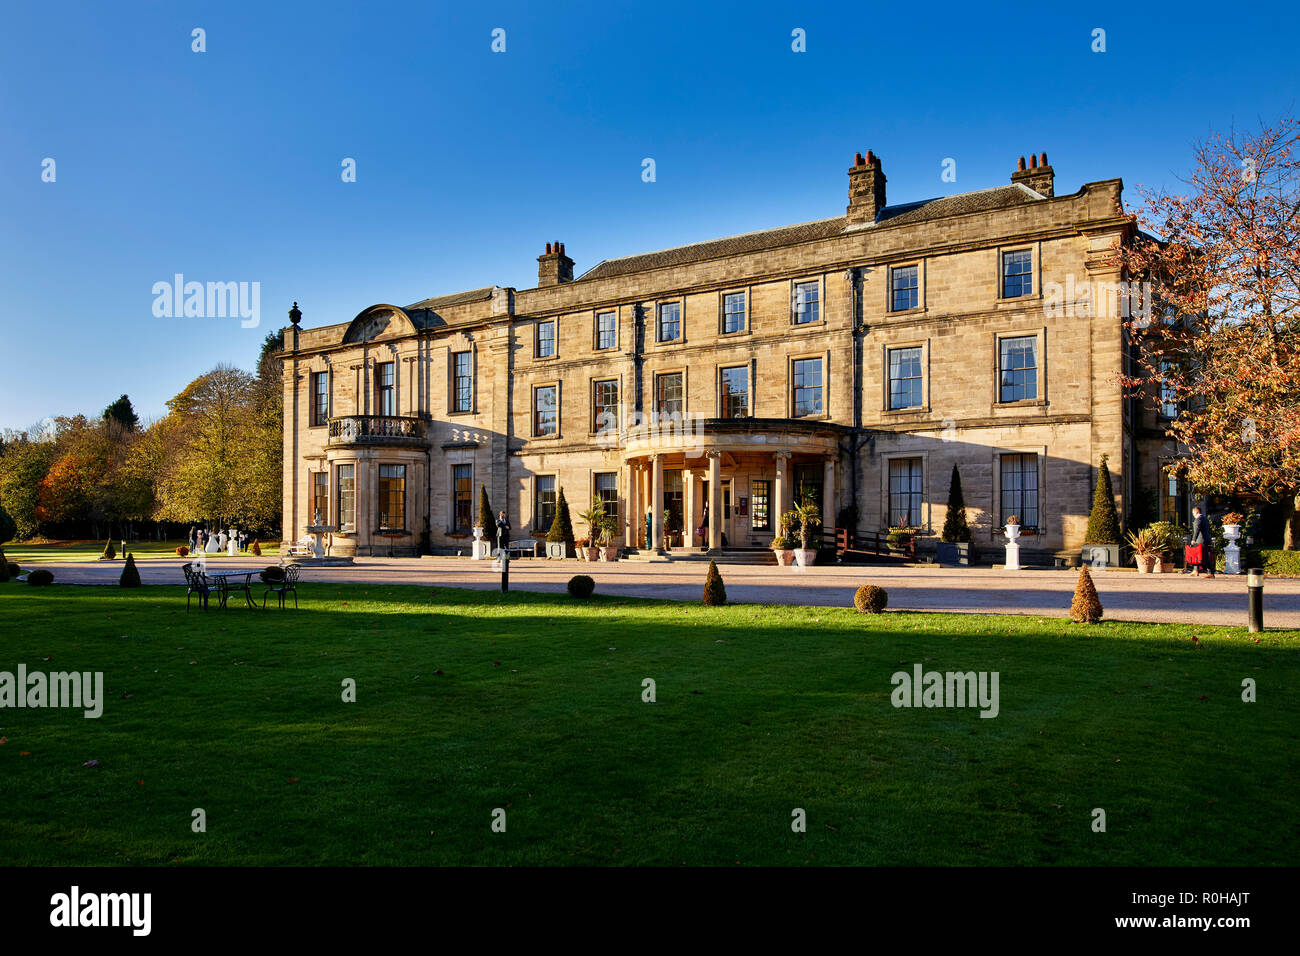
389	430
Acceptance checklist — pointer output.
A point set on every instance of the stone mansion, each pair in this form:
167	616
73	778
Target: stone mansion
853	360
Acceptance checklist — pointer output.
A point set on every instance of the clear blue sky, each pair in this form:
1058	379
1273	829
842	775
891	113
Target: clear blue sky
225	165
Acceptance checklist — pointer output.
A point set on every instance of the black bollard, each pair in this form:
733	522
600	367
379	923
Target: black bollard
1255	603
505	571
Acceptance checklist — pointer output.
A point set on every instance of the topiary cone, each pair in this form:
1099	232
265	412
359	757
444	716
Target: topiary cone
714	591
130	574
1086	606
1103	520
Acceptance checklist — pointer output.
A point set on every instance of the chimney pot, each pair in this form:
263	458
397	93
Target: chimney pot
1033	161
548	248
857	159
1021	164
870	158
1043	160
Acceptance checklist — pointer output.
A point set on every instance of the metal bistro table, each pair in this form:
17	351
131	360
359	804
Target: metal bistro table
226	583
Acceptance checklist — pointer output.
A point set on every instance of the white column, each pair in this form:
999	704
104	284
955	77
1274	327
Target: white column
657	502
630	496
780	489
828	493
688	507
715	500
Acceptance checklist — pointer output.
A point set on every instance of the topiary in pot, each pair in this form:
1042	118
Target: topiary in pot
714	591
486	520
1103	521
256	549
110	552
561	526
1086	606
956	530
40	577
581	586
870	599
130	574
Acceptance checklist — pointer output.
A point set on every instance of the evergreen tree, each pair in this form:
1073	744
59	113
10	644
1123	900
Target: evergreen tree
122	413
1086	606
486	521
562	526
130	574
8	529
714	591
955	528
1103	522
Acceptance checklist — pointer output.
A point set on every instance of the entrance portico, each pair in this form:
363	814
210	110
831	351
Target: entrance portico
730	478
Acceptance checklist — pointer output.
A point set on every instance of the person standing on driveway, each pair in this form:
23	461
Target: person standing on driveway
503	531
1204	536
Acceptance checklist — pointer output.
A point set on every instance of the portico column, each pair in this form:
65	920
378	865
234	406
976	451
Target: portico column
781	488
629	509
688	507
715	500
657	502
828	493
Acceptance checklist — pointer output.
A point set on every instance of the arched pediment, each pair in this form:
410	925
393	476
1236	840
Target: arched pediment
379	322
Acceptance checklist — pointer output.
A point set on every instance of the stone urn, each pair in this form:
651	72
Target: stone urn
481	546
1013	547
1231	550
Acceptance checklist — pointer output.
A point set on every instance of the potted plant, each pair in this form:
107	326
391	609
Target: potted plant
1103	522
559	540
608	529
954	540
1232	522
1013	527
807	514
900	540
1146	545
594	516
1168	541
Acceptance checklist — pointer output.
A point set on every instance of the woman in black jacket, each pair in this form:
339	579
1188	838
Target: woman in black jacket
503	532
1204	536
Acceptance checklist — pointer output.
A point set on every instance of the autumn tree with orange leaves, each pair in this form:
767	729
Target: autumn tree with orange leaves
1223	338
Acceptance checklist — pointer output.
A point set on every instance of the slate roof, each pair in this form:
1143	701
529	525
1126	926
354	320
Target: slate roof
943	207
456	298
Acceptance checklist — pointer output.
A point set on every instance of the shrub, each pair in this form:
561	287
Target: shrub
486	521
1272	560
1103	522
130	574
40	578
8	528
955	527
110	552
256	549
871	599
581	586
12	569
562	526
183	551
1168	536
1086	606
714	591
5	575
272	575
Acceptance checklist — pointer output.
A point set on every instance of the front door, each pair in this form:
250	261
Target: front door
726	511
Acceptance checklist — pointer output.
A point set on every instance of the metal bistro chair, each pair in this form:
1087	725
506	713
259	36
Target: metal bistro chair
289	584
195	583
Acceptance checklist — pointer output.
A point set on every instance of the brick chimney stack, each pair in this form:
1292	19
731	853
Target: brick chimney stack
866	188
553	266
1038	176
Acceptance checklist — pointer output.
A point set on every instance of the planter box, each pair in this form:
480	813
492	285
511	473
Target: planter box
1111	555
953	553
555	549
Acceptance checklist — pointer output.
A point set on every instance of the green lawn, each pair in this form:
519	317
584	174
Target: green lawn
34	555
468	701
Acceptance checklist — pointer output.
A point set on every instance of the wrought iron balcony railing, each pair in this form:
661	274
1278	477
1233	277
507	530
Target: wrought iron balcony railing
376	430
